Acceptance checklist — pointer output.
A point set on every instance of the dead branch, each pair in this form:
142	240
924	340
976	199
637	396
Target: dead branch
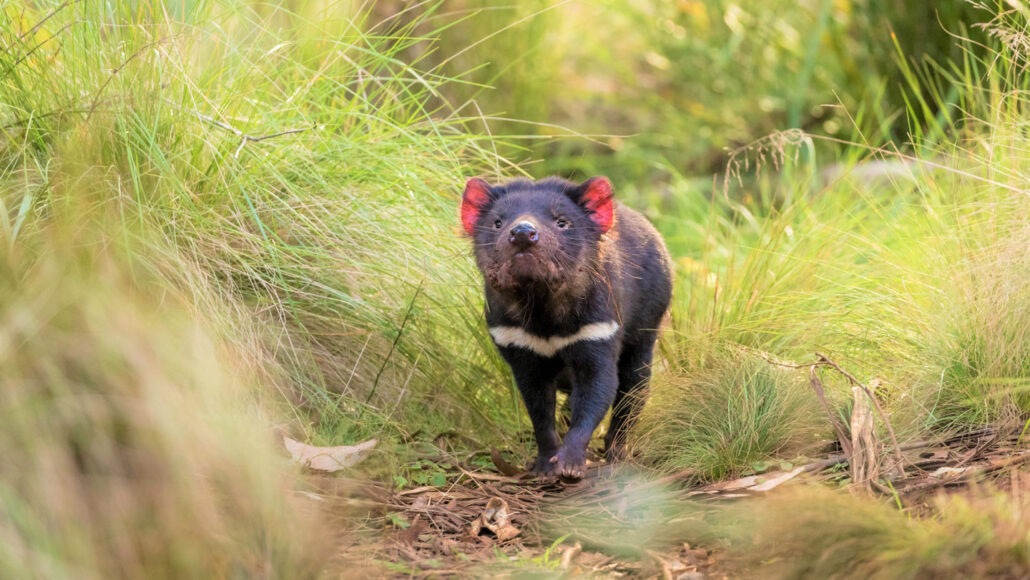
839	429
817	387
965	475
876	404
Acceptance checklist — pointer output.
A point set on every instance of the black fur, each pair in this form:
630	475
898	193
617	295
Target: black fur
573	276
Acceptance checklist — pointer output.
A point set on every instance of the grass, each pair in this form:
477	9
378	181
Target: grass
135	437
220	216
337	236
687	81
723	420
819	534
216	217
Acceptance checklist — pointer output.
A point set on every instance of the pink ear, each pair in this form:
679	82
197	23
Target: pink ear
475	198
597	199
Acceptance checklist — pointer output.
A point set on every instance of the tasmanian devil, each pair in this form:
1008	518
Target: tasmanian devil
576	287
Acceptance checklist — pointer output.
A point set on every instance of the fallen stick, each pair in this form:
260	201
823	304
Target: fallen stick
968	474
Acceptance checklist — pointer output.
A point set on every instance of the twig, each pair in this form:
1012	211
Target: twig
826	361
876	404
840	430
818	466
969	473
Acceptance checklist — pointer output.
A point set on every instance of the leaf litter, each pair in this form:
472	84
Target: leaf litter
624	521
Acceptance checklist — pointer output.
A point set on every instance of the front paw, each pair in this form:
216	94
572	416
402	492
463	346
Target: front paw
569	465
542	467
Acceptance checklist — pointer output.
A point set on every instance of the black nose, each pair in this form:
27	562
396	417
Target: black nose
523	234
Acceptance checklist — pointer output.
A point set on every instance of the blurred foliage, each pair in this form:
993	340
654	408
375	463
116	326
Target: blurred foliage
670	86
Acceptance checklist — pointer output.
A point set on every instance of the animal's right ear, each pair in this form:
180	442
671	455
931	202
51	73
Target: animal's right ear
477	195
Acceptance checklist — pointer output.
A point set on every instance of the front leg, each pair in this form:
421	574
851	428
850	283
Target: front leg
535	379
594	384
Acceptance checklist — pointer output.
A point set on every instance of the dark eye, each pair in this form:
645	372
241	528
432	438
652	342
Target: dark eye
562	223
497	224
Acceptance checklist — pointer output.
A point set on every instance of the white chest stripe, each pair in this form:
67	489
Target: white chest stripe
515	336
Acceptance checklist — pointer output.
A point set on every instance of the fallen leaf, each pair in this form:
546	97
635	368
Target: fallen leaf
496	519
328	458
775	479
948	471
503	466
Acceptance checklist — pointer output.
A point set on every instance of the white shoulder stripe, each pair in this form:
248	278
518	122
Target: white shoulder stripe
515	336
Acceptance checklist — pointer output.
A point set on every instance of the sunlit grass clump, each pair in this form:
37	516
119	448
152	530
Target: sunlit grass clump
135	430
816	533
721	420
980	346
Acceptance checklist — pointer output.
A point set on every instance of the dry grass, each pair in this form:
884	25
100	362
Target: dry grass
135	440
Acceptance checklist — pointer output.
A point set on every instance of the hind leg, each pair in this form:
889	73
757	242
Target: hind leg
634	374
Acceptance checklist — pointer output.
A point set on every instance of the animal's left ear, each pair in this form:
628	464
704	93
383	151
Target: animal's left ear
595	195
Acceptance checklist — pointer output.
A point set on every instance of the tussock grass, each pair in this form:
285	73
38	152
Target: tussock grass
215	217
721	420
978	348
298	161
135	429
909	268
816	533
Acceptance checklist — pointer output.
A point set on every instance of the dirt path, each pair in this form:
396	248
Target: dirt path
617	522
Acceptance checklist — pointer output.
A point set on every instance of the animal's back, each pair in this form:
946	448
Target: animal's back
639	266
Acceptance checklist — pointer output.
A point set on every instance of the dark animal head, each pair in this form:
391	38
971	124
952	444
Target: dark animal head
537	236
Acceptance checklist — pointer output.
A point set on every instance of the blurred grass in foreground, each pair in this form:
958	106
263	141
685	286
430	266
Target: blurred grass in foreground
215	217
135	440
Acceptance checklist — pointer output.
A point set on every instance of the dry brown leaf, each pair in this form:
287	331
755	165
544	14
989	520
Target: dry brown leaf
496	519
328	458
503	466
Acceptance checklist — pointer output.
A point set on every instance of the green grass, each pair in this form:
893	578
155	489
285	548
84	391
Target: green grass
669	87
723	419
822	534
172	288
338	237
222	215
135	434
